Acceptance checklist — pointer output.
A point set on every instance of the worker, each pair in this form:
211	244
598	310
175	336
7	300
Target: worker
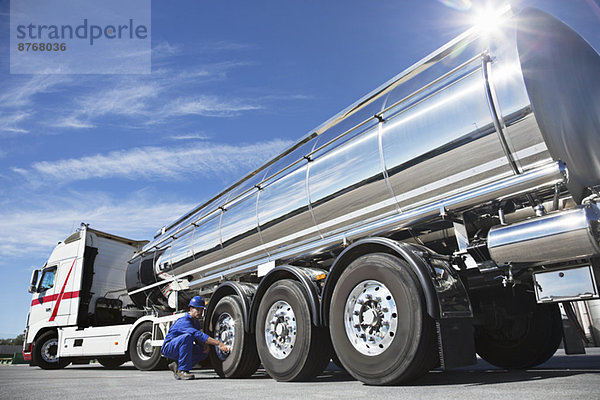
186	343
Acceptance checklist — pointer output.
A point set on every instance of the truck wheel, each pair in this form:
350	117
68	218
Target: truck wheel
378	322
45	350
227	325
291	348
112	362
145	357
525	334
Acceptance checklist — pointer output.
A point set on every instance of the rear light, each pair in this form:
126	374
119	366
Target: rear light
27	348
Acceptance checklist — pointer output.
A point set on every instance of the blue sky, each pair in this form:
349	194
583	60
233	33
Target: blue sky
232	83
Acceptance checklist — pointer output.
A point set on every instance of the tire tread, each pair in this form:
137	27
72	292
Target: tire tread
425	348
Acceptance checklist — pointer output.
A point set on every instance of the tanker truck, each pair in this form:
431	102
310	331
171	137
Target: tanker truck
450	212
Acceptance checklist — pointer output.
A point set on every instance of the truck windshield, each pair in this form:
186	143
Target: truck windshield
47	281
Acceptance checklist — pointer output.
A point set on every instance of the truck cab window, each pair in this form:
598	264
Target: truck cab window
47	281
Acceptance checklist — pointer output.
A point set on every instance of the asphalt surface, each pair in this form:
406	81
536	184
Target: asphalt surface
562	377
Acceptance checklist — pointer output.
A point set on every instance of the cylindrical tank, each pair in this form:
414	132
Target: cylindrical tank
480	109
553	238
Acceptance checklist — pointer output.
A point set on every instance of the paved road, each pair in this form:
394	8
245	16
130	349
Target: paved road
562	377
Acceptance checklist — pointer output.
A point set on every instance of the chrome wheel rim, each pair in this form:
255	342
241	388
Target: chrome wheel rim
280	329
49	351
144	346
225	332
370	317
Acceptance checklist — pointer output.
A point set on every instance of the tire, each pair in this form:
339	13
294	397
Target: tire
144	356
381	334
45	352
304	350
112	362
227	325
525	334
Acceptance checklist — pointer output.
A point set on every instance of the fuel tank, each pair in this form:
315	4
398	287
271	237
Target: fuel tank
482	110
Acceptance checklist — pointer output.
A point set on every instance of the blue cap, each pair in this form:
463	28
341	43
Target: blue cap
197	302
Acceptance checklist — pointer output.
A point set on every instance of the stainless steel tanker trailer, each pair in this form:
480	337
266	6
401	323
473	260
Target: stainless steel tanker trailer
446	213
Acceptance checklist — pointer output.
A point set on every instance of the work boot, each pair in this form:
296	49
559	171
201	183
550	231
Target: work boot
173	367
184	376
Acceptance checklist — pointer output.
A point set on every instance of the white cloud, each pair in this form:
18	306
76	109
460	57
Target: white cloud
145	99
18	94
165	49
202	74
207	106
72	122
36	228
120	100
190	136
155	162
9	122
130	98
22	92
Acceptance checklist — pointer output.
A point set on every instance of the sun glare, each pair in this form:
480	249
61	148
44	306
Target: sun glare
488	21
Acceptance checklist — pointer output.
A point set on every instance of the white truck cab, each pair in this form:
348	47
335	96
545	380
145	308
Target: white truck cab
80	308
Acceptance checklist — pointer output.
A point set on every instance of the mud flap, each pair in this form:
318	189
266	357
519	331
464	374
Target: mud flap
571	339
456	342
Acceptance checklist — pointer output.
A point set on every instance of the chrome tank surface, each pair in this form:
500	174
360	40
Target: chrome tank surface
560	236
561	73
461	119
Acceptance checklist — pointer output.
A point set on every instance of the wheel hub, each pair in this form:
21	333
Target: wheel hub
370	317
144	346
225	329
49	351
280	329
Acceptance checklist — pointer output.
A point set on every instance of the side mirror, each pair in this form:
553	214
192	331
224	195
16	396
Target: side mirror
33	281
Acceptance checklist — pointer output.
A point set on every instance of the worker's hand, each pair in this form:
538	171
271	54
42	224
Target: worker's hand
223	347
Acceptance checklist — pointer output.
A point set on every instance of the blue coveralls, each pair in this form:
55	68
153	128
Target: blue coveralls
184	343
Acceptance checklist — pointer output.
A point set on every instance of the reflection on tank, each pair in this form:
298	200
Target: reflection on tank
466	117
